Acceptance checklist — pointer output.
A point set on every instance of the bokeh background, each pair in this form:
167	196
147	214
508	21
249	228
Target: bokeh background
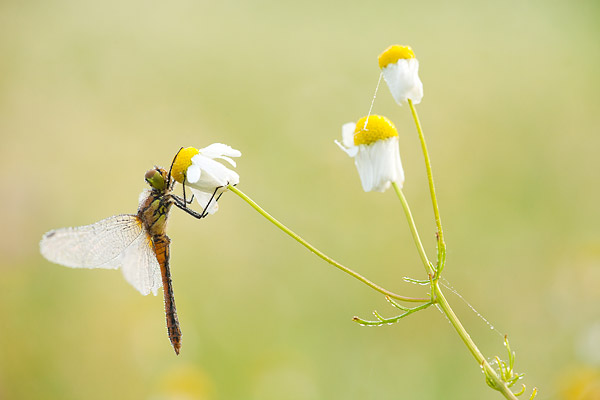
92	94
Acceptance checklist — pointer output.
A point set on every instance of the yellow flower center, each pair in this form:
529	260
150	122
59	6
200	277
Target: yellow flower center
377	127
182	162
394	53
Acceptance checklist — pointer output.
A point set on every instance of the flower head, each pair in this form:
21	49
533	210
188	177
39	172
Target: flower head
373	143
400	71
206	177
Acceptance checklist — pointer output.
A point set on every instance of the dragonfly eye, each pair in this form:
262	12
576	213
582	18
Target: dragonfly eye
155	179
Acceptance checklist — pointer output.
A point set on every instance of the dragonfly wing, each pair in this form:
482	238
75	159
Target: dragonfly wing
140	266
98	245
118	241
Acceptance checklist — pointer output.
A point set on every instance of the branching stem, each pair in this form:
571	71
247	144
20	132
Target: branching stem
466	338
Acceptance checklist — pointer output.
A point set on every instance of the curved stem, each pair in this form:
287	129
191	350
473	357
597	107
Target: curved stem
413	229
321	254
389	321
466	338
440	233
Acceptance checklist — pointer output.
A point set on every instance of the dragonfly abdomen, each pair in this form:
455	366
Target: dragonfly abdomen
161	247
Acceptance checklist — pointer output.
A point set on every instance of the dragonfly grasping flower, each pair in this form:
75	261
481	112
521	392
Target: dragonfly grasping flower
400	71
199	170
373	143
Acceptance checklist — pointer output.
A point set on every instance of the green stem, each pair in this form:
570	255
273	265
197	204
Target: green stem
500	385
321	254
441	260
389	321
466	338
413	229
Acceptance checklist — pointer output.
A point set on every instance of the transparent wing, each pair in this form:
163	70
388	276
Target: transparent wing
118	241
140	266
92	246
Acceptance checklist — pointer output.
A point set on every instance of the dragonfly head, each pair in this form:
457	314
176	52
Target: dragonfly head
156	178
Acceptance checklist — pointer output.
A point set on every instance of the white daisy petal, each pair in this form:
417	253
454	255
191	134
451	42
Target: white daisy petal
203	198
348	134
193	173
350	151
402	78
214	174
219	149
229	160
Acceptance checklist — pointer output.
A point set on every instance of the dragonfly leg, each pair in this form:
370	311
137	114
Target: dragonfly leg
205	211
180	203
184	200
169	182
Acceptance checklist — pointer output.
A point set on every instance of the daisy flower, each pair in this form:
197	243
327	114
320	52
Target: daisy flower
400	71
373	143
206	177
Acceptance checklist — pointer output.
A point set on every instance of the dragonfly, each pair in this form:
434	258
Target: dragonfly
136	243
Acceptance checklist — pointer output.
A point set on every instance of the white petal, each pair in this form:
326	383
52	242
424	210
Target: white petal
193	173
364	166
214	174
416	93
379	164
203	198
229	160
232	177
397	165
348	134
403	80
219	149
351	151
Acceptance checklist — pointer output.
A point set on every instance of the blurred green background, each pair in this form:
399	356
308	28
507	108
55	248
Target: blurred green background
92	94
